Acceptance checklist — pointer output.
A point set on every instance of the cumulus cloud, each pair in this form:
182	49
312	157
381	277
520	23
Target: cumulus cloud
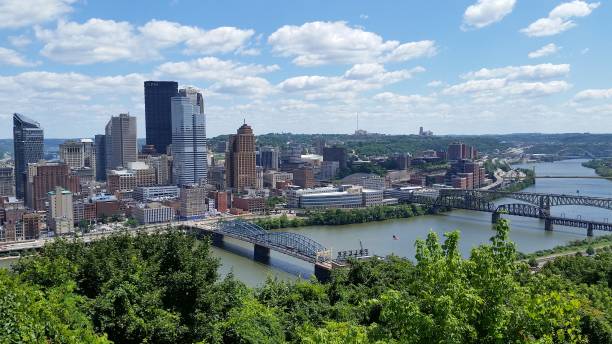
359	78
394	98
12	58
486	12
540	71
560	18
99	40
320	43
19	41
594	94
527	81
17	13
212	68
546	50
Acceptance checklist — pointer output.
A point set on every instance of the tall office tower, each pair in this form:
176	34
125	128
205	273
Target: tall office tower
240	159
269	158
456	151
100	144
7	181
189	149
121	146
158	115
79	154
28	148
44	177
335	154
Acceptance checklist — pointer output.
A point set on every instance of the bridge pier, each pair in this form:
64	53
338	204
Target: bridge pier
261	253
495	216
548	225
216	239
322	273
590	230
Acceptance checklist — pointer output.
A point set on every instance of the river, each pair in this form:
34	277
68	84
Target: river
475	227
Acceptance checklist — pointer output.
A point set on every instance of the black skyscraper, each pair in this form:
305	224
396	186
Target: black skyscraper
28	148
158	117
100	141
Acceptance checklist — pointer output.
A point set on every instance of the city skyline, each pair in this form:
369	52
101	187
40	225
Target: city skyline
479	66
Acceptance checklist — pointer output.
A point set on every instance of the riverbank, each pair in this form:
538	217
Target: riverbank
336	217
603	168
577	246
528	181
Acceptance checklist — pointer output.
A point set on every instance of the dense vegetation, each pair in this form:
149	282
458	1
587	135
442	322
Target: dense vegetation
164	288
344	216
602	167
573	246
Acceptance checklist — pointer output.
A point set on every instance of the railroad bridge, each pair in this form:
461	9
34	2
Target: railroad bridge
292	244
536	205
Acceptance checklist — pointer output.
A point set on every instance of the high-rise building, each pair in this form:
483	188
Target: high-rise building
121	147
192	201
79	154
28	148
60	215
7	181
456	151
269	158
189	149
240	159
100	144
46	176
158	115
304	177
335	154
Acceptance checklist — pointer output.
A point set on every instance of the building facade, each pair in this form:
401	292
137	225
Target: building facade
60	215
121	147
192	202
156	193
28	148
153	213
7	181
269	157
335	154
44	177
100	146
189	149
158	115
240	160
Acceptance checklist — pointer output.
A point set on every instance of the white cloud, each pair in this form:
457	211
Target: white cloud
99	40
319	43
212	68
19	41
12	58
594	94
19	13
533	72
359	78
546	50
560	18
435	83
486	12
247	86
495	84
394	98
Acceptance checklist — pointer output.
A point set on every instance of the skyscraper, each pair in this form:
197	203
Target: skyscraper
189	138
240	159
121	141
158	115
79	155
269	158
28	148
100	143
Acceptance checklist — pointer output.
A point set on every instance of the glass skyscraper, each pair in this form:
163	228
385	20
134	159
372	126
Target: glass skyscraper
28	147
158	115
189	138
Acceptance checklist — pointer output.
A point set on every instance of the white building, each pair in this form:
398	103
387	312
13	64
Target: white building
270	178
189	138
79	155
60	215
345	196
156	193
367	180
153	213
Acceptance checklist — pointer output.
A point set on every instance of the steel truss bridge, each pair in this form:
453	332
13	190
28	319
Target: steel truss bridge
291	244
536	205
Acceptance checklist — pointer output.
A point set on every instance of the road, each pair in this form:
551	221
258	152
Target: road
102	231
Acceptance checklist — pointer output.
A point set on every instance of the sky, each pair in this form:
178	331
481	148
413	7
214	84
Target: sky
453	67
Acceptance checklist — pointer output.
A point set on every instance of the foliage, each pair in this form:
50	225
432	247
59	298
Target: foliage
164	288
344	216
602	167
273	201
365	167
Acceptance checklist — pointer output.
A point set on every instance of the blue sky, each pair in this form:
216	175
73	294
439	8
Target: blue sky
454	67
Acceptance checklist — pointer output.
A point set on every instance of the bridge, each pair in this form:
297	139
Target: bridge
291	244
536	205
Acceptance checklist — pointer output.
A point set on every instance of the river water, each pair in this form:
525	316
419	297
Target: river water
475	228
